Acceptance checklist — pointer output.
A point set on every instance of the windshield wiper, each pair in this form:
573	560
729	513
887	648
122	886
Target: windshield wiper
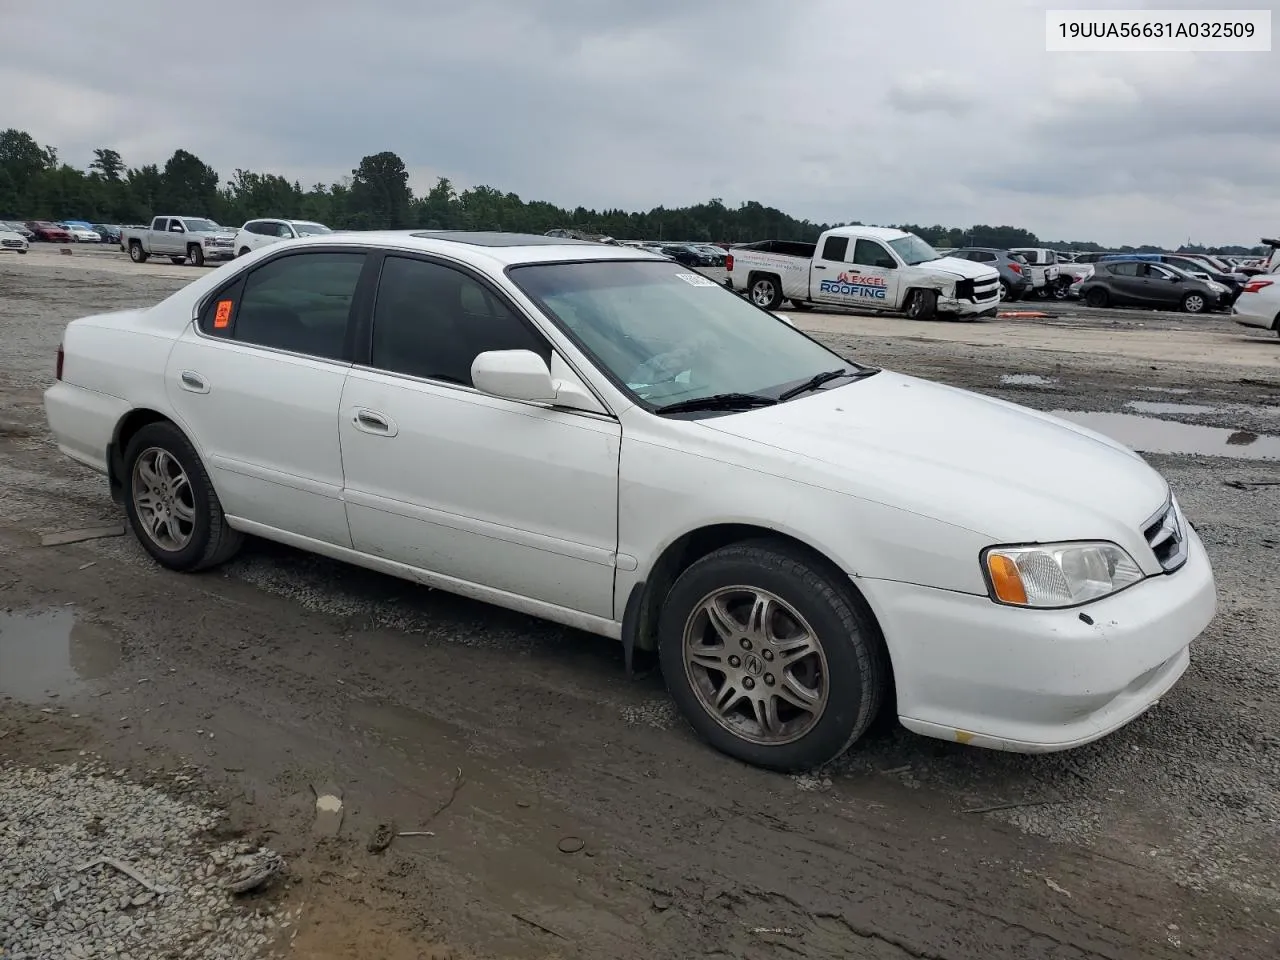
719	401
814	382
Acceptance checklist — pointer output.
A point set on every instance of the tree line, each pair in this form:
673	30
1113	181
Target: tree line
36	184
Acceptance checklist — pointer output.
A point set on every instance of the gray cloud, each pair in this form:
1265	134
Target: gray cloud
926	112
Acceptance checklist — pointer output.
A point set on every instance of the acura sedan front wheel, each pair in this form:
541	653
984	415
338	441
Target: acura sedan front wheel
171	505
771	657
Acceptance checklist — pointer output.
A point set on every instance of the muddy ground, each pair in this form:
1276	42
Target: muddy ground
504	736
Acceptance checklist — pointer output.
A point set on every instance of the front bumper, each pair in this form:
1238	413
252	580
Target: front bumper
219	253
1035	681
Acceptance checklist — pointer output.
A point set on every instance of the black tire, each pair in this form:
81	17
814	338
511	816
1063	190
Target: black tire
801	305
179	261
1195	303
23	252
211	542
1097	297
1006	293
242	251
923	305
196	254
136	253
765	291
850	640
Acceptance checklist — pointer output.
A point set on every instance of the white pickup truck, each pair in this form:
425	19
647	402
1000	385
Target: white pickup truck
864	267
181	239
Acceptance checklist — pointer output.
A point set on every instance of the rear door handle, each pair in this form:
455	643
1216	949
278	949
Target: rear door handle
370	421
192	381
818	266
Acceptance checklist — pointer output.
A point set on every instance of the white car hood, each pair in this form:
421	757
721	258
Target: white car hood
1012	474
965	269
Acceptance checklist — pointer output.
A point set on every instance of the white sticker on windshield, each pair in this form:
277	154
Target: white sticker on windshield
696	280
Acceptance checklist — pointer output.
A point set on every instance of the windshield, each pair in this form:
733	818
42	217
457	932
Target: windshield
913	250
310	229
200	226
668	335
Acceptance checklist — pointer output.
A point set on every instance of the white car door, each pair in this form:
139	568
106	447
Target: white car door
256	383
514	497
875	276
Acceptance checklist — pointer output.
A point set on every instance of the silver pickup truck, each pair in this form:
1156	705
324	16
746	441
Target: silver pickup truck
181	239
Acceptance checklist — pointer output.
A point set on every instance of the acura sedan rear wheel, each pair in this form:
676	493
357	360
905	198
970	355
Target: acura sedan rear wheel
770	656
170	502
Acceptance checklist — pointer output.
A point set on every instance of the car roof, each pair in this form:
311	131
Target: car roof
872	233
502	249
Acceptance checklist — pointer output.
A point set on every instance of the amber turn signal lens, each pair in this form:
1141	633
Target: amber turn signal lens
1006	580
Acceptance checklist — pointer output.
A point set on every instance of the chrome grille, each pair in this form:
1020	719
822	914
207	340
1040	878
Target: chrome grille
16	244
1165	533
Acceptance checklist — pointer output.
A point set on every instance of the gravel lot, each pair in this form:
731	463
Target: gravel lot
506	738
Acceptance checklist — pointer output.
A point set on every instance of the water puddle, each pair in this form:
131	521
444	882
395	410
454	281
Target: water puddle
1151	435
44	652
1026	380
1168	409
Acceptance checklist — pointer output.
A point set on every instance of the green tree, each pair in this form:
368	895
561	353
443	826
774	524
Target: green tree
108	163
380	197
188	185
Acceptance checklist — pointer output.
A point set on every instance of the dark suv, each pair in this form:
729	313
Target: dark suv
1015	278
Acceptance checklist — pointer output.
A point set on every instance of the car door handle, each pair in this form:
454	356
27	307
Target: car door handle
370	421
818	266
192	381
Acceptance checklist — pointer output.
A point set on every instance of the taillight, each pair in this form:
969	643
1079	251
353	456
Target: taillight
728	262
57	373
1253	286
1015	268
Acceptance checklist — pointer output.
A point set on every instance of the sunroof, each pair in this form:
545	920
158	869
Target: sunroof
492	238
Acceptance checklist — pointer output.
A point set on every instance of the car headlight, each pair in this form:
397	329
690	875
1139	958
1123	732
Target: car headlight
1216	287
1051	575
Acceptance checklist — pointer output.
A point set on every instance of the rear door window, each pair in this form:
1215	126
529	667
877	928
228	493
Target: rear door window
300	303
836	249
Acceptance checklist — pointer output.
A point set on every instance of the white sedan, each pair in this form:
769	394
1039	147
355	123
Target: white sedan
1259	303
607	439
82	234
13	242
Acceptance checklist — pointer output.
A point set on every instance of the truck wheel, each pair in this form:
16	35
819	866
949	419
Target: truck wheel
766	292
178	260
196	254
770	656
923	305
136	253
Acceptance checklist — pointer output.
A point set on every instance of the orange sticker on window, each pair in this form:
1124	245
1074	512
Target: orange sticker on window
222	317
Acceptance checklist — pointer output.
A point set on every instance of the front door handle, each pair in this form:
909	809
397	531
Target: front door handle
818	266
192	381
370	421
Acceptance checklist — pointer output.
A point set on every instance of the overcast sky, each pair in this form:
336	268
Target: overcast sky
922	111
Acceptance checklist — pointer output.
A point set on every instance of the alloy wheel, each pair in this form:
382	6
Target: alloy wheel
163	499
755	665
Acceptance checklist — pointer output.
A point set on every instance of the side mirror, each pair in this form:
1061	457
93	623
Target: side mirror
887	265
513	374
177	228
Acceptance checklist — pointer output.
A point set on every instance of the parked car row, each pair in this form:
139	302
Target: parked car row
62	231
